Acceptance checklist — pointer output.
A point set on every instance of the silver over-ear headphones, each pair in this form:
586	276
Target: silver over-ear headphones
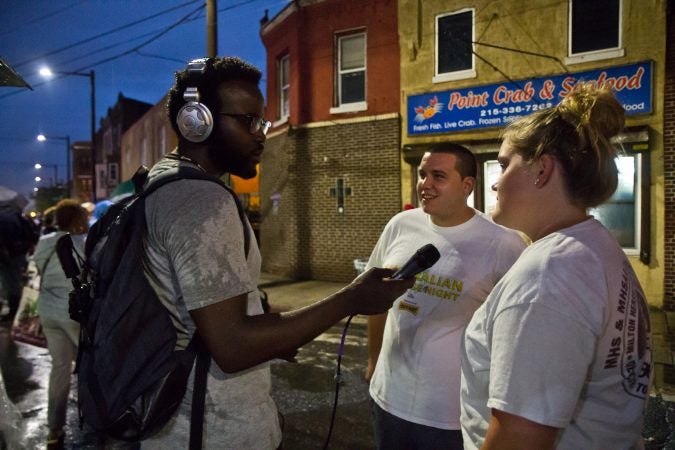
194	120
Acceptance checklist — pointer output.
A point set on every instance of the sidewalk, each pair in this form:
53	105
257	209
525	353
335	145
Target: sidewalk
304	391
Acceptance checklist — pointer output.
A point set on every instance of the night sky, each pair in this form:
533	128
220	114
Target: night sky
134	47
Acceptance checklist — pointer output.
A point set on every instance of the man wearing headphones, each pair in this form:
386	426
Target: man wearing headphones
196	262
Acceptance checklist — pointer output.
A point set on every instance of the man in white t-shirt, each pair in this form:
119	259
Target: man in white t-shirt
414	360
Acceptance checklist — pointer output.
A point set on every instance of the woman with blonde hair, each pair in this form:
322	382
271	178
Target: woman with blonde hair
62	333
559	355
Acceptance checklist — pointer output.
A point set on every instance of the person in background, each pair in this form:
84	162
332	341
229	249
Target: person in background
414	358
195	261
99	210
62	333
559	356
48	220
18	236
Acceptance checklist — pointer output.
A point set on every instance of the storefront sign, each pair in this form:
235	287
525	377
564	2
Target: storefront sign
496	105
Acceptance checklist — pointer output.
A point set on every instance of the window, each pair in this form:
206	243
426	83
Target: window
108	141
351	73
284	68
454	46
620	214
491	171
625	214
113	174
594	30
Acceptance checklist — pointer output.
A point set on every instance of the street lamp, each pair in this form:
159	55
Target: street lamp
46	72
39	166
42	138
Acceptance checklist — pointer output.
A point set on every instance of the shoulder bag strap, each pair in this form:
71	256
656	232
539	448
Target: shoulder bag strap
199	396
44	267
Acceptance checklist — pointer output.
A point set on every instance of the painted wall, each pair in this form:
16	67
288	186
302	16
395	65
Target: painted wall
541	27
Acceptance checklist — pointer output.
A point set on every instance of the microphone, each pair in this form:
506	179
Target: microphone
423	258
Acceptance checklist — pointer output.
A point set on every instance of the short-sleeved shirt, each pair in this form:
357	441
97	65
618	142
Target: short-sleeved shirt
417	375
563	340
54	286
195	258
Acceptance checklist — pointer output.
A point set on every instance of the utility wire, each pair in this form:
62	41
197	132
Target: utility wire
140	46
524	52
112	58
37	19
135	49
108	47
106	33
166	58
497	69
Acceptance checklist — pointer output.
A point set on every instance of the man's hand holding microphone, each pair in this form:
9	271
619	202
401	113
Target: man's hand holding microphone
377	289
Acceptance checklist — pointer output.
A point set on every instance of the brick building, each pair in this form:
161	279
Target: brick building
81	187
669	194
329	178
147	140
669	162
122	115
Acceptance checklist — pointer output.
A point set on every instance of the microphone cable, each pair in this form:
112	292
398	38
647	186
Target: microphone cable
338	381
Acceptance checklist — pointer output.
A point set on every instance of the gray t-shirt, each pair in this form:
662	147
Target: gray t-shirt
195	258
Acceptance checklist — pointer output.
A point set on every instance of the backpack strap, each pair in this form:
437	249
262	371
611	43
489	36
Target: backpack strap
199	395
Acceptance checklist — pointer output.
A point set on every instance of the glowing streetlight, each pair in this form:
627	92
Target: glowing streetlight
43	138
47	72
39	166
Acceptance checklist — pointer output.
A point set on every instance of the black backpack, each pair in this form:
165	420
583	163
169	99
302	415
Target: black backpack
130	378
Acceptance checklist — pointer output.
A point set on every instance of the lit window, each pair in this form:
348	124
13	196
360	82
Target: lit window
594	30
284	86
621	213
351	76
454	46
491	173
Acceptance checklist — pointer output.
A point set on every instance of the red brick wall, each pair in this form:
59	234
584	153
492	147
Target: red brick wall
669	162
308	35
304	236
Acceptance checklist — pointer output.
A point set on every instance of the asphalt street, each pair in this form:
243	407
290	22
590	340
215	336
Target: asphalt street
304	390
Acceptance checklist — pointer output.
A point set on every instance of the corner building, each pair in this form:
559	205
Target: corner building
330	174
468	68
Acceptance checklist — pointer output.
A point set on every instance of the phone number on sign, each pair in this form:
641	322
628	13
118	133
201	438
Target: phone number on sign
520	109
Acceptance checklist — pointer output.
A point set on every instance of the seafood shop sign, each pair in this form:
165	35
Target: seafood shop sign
496	105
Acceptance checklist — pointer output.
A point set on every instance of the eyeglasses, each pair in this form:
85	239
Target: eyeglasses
254	123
